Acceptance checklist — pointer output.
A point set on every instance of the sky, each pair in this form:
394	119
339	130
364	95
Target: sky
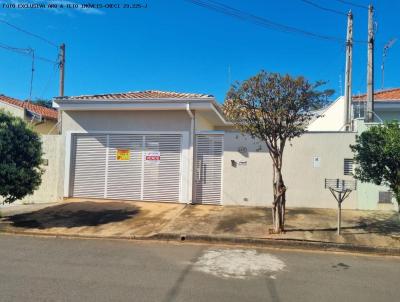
175	45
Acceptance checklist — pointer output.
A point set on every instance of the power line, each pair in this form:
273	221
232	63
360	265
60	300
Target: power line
30	53
29	33
228	10
352	4
26	52
324	8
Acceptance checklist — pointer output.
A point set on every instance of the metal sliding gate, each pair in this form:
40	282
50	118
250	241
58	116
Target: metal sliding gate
208	176
127	166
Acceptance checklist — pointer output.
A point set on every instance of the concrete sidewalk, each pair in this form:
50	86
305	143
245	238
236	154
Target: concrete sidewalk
120	219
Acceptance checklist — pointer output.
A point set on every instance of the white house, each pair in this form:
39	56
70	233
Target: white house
178	147
386	108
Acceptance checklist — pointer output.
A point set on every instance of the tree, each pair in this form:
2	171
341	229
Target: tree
274	108
377	154
20	158
44	103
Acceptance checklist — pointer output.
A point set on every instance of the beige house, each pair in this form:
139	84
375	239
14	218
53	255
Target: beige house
178	147
42	119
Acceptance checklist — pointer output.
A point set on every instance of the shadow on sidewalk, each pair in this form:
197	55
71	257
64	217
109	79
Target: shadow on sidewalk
75	214
377	225
371	224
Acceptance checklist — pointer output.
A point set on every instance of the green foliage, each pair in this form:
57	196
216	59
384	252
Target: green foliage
20	158
377	153
274	108
271	106
44	103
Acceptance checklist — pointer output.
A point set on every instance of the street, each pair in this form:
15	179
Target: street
55	269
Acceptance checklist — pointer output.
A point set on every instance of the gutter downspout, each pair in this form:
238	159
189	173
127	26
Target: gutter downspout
190	181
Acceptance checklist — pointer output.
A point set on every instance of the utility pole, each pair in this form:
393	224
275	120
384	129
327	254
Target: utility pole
62	77
348	74
369	115
62	68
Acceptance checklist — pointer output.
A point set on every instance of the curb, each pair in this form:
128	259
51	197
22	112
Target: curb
283	243
261	242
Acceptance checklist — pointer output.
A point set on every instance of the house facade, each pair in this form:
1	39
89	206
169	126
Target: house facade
42	119
178	147
386	108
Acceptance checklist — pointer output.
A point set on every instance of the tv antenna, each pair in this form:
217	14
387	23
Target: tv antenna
388	45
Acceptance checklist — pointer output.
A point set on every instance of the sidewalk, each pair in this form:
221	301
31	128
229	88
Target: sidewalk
119	219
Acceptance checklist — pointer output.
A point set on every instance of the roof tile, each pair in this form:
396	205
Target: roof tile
384	95
148	94
41	110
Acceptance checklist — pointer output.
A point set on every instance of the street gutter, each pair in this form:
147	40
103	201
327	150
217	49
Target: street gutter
309	245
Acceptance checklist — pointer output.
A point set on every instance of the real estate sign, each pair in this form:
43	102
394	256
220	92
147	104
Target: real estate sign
123	154
152	156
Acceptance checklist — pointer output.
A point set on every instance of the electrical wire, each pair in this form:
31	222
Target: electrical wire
50	78
30	52
29	33
26	52
228	10
353	4
316	5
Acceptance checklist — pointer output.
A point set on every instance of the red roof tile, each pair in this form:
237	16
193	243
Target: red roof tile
384	95
148	94
47	113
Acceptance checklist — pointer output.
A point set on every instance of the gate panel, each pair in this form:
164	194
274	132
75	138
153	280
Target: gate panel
162	176
124	177
89	165
208	176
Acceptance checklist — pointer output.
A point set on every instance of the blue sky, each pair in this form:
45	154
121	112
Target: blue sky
174	45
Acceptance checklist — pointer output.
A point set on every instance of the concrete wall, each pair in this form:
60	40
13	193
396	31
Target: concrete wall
14	110
125	121
251	182
388	115
201	123
52	179
368	193
332	118
47	127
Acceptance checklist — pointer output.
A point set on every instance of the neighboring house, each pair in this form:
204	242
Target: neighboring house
386	108
178	147
42	119
386	105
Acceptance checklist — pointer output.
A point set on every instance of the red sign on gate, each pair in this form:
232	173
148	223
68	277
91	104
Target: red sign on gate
152	156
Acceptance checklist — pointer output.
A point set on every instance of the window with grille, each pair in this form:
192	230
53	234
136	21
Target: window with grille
385	197
348	166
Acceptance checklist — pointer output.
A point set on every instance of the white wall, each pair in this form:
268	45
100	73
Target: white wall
51	188
125	121
251	184
332	118
14	110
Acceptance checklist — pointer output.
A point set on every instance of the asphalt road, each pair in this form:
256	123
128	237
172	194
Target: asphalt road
53	269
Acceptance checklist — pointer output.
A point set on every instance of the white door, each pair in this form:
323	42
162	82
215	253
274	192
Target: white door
127	166
208	176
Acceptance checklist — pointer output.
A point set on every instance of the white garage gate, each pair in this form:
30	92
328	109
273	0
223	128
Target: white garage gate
127	166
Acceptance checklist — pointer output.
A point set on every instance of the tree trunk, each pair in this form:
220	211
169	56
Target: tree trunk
397	196
279	203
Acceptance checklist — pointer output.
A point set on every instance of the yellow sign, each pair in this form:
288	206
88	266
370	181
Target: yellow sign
123	154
